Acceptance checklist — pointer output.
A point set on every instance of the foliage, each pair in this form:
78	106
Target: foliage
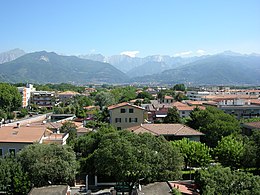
71	128
195	154
255	138
12	178
128	156
214	123
176	191
219	180
103	99
59	87
172	116
230	151
179	87
10	98
145	94
180	96
48	163
23	112
123	94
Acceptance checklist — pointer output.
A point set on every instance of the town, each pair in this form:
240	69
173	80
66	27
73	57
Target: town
127	139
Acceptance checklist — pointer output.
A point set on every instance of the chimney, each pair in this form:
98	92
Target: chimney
18	125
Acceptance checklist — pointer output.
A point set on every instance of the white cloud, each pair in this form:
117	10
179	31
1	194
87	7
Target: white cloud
201	52
183	54
130	53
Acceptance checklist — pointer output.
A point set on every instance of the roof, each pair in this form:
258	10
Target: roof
168	97
184	107
252	125
23	134
166	129
124	104
50	190
184	187
69	93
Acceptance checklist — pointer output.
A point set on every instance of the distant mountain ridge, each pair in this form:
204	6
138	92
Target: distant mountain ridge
220	69
11	55
49	67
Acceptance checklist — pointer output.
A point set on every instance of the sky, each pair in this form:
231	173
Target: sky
132	27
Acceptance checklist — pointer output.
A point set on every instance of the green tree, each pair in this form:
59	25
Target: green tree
12	178
48	163
179	87
145	94
214	123
219	180
172	116
230	151
194	153
103	99
10	98
128	158
71	128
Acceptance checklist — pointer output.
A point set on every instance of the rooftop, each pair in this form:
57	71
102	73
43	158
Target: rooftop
124	104
165	129
23	134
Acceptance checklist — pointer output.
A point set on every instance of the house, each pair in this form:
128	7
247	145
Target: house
67	95
167	99
125	115
184	109
169	131
51	190
15	138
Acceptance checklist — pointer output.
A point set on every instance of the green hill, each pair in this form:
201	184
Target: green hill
48	67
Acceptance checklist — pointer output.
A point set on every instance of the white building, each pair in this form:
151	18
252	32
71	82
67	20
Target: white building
26	94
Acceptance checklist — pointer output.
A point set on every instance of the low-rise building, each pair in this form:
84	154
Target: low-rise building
125	115
169	131
46	99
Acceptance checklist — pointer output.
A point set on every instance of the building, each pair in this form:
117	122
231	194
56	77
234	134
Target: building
67	95
44	98
15	138
169	131
125	115
249	127
197	95
167	99
26	94
184	110
51	190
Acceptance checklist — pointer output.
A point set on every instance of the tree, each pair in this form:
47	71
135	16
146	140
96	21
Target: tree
219	180
12	178
145	94
194	153
179	87
172	116
48	163
10	98
71	128
230	151
103	99
214	123
130	157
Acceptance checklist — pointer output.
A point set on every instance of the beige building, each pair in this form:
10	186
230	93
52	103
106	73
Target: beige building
169	131
15	138
125	115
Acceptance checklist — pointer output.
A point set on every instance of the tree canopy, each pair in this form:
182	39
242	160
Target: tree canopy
195	154
219	180
214	123
172	116
10	98
48	163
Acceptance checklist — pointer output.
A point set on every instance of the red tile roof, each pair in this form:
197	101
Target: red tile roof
166	129
23	134
124	104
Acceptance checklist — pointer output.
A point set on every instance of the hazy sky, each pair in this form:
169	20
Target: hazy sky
143	27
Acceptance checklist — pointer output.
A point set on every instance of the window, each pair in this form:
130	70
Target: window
119	128
183	112
118	120
125	120
12	151
131	110
122	110
1	152
133	120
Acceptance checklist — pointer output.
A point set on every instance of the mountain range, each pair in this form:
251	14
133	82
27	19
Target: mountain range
227	68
